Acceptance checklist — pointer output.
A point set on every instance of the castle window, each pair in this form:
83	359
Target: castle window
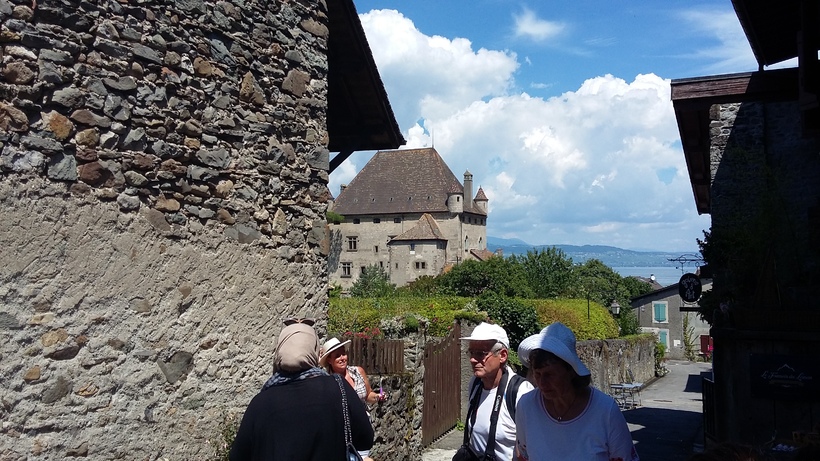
397	220
352	243
346	269
381	264
376	220
421	265
356	221
362	269
412	247
376	249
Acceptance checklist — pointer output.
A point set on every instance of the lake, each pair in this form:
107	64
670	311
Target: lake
664	275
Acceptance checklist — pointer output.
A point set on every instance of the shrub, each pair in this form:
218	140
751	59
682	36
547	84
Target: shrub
518	319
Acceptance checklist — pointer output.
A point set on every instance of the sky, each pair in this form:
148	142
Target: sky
560	110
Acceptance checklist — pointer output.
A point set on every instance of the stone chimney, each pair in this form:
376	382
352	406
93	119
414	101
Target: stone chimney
468	190
342	188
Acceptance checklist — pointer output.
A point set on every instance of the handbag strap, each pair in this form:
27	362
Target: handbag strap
345	413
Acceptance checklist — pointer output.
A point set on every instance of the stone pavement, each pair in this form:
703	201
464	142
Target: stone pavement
666	427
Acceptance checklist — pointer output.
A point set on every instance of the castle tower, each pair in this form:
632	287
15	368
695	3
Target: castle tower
468	190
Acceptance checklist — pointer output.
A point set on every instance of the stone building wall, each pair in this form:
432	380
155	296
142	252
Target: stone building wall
765	188
163	171
370	234
403	260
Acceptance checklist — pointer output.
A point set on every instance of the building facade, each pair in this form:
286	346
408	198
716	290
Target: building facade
662	312
407	213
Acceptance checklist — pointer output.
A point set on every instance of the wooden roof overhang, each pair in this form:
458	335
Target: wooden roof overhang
359	116
693	98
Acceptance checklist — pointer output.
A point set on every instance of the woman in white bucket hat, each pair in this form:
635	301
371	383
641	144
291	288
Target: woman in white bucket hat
565	418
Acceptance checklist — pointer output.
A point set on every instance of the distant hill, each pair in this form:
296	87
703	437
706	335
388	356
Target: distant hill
611	256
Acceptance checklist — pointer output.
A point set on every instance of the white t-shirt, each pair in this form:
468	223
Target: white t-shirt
505	428
599	433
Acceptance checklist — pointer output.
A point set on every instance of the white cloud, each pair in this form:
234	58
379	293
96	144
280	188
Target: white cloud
528	25
439	75
598	165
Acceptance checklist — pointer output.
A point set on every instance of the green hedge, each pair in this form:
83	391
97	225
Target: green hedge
396	316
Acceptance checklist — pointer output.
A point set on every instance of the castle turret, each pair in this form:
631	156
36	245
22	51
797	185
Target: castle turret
481	200
455	200
468	190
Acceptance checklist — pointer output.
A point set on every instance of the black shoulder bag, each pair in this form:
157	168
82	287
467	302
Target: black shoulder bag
350	450
466	452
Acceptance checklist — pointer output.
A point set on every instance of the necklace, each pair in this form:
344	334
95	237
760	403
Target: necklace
571	404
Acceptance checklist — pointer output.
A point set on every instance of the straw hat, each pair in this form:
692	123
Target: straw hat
329	346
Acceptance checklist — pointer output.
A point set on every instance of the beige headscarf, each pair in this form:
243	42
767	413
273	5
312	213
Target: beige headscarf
297	349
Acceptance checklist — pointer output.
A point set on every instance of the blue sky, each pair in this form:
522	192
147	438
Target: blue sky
560	110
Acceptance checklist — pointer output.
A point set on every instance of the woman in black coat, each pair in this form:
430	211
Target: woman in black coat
298	414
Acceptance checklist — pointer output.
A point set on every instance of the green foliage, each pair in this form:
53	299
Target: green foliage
599	282
335	291
373	283
689	350
500	275
334	218
518	319
226	433
573	314
660	355
422	286
633	287
628	322
547	272
390	314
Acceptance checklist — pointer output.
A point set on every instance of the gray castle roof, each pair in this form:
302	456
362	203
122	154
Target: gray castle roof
401	181
425	229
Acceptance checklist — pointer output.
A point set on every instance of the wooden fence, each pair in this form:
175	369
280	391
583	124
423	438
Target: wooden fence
377	356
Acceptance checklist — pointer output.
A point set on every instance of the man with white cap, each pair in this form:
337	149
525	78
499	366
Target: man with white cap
494	392
566	418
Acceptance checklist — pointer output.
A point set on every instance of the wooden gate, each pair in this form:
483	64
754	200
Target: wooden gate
442	387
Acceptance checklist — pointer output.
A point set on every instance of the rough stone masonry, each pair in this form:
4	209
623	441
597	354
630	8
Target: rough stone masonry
163	187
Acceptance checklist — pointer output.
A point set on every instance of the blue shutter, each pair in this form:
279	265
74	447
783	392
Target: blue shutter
660	312
663	338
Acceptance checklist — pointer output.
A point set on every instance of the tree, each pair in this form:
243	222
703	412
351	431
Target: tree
548	272
599	282
500	275
517	319
373	283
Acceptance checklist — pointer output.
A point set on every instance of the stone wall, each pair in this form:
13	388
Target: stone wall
766	189
163	171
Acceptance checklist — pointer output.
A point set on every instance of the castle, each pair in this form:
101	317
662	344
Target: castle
407	213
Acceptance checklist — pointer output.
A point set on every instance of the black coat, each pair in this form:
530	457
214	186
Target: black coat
301	421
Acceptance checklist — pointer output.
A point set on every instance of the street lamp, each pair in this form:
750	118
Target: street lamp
615	308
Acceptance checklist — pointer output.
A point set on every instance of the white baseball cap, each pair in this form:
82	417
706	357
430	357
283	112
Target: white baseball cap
489	332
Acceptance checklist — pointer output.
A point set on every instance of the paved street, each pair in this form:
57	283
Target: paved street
666	427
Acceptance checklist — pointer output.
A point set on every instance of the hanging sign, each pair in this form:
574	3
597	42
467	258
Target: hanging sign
689	288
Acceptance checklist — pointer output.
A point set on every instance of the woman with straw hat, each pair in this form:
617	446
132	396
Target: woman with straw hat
333	358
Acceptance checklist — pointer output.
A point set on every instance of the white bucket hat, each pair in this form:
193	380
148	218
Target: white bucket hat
489	332
559	340
329	346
